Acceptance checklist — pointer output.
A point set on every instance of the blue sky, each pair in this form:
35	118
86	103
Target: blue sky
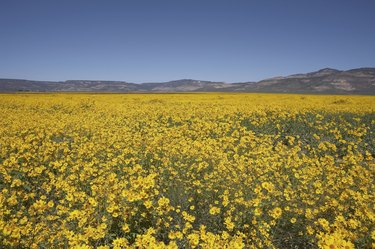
162	40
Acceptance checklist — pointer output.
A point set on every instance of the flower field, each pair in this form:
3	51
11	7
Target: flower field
187	171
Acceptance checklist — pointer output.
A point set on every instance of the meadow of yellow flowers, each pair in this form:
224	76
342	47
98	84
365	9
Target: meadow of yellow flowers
187	171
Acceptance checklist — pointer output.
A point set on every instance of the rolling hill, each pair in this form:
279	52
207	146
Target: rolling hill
324	81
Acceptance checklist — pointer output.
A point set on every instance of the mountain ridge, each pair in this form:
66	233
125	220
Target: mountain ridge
323	81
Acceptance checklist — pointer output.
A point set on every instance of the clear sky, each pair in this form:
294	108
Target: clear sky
162	40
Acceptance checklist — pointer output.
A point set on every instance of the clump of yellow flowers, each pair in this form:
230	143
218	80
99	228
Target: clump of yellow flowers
187	171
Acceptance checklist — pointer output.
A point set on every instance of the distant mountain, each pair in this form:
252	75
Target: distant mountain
185	85
15	85
324	81
327	80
